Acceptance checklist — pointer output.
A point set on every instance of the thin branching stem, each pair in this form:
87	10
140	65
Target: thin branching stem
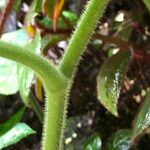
93	12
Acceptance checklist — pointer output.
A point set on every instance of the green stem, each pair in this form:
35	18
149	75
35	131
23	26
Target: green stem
41	66
55	86
81	36
55	122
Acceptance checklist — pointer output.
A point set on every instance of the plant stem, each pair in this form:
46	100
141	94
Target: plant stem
80	38
41	66
55	86
55	122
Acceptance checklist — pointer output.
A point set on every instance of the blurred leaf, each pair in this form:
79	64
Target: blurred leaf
26	75
3	4
12	37
110	79
94	143
66	21
38	6
49	41
69	18
25	78
124	31
8	76
16	5
147	3
15	134
121	140
72	17
12	121
36	107
48	7
142	121
35	7
112	50
46	22
57	12
8	71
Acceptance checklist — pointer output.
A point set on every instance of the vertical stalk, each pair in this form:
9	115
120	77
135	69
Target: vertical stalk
93	12
55	120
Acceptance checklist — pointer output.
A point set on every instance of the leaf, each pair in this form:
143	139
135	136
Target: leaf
147	3
3	4
8	76
94	143
142	120
8	71
15	134
12	121
124	32
38	6
66	21
121	140
49	41
110	79
17	5
57	12
35	7
48	7
72	17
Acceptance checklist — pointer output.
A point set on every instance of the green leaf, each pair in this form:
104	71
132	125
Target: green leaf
48	7
15	134
12	121
49	41
35	7
68	20
147	3
72	17
18	37
17	5
94	143
8	68
110	79
8	76
38	7
3	4
124	31
121	140
142	121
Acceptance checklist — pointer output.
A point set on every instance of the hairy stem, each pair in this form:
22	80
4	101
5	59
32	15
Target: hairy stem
41	66
55	86
81	36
